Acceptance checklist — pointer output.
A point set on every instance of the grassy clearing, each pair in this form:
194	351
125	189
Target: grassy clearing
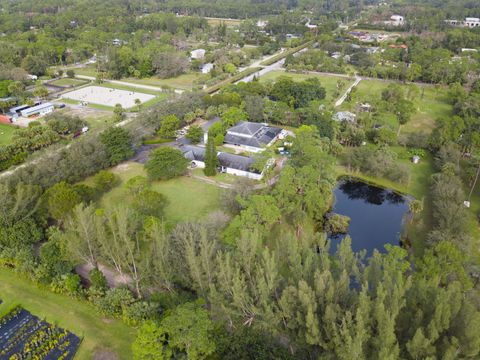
329	82
69	82
89	70
76	316
227	22
430	103
188	198
185	81
6	133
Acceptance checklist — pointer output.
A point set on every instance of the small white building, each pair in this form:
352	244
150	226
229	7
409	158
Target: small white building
395	20
471	22
262	23
197	54
41	110
206	68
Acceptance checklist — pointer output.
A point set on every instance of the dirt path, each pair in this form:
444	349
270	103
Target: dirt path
114	279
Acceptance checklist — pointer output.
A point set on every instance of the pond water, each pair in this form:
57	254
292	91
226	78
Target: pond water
376	215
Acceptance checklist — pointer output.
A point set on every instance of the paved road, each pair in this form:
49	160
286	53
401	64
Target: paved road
344	96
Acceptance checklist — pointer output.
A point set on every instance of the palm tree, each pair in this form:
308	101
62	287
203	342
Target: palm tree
415	207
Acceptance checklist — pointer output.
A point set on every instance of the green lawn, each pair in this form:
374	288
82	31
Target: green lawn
185	81
188	198
69	82
89	70
329	82
430	103
6	133
76	316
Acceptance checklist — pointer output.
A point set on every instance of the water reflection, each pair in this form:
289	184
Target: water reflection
376	215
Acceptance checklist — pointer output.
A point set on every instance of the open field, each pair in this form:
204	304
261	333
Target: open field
430	103
227	22
6	133
188	198
89	70
77	316
68	82
329	82
108	96
184	82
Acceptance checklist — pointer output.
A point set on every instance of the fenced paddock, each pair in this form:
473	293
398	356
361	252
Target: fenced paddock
107	96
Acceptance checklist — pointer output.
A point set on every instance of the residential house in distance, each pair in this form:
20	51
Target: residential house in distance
252	137
228	163
470	22
345	116
197	54
395	20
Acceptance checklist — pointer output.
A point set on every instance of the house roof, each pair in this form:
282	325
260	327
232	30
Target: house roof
235	161
231	161
251	134
193	152
246	127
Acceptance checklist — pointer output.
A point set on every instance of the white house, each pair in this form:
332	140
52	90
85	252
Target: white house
41	110
197	54
395	20
472	22
228	163
252	137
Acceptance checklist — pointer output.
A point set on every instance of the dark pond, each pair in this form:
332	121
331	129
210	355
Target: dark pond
376	215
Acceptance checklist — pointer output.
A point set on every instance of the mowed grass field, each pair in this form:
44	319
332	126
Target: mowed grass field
329	82
69	82
183	82
6	133
188	198
79	317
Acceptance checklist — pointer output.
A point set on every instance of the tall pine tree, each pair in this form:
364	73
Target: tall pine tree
211	160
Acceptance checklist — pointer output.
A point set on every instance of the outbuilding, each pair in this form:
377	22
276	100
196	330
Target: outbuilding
41	110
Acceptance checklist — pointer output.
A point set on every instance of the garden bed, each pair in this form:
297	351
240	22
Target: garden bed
24	336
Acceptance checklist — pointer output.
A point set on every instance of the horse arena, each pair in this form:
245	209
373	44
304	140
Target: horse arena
107	96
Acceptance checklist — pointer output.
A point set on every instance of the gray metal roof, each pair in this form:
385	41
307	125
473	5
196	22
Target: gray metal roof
193	152
233	161
246	127
228	160
254	134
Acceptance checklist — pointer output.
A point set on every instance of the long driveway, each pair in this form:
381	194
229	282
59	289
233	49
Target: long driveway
348	91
